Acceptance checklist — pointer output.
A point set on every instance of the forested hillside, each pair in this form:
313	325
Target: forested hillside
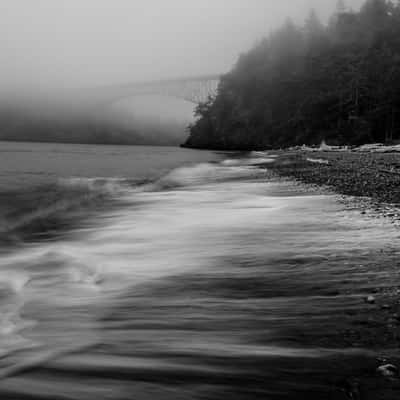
338	82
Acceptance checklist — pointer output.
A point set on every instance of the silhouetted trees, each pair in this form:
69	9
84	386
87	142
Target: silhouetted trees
339	83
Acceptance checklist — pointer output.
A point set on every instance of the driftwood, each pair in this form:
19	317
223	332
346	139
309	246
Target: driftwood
388	171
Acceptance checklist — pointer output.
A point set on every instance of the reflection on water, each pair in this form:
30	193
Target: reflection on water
216	280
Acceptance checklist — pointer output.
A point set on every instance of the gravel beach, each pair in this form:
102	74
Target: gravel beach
374	178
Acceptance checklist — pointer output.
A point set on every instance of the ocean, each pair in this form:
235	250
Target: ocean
164	273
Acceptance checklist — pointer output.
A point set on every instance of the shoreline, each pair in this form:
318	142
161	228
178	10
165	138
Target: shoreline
280	305
370	184
372	179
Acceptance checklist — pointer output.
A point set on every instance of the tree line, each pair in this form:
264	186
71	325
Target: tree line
337	82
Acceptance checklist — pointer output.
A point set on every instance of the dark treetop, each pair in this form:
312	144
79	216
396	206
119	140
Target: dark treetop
302	85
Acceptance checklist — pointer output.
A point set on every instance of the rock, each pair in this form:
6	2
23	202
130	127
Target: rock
352	389
388	370
385	307
370	300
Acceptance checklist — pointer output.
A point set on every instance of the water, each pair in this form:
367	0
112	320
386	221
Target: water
204	277
45	187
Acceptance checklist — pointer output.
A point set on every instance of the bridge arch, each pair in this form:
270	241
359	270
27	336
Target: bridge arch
194	90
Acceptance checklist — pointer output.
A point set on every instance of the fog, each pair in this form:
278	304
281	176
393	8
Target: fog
55	52
81	43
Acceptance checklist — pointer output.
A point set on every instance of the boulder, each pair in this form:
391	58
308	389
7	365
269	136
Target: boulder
370	300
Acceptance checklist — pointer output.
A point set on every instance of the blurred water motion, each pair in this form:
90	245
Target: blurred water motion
214	280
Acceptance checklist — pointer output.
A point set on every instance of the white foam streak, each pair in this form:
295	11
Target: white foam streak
202	214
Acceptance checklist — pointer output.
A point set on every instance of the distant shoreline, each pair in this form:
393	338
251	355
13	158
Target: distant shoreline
88	143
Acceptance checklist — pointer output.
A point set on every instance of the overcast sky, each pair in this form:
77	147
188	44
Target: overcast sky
92	42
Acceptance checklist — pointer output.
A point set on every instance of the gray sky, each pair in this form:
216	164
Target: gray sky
90	42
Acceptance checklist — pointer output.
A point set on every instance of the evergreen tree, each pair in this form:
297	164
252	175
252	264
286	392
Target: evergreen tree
339	83
341	7
374	14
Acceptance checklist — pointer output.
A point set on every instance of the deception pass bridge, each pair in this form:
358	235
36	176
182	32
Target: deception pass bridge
195	90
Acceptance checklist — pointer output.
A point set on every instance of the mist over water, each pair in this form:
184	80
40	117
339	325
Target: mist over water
55	53
158	118
208	279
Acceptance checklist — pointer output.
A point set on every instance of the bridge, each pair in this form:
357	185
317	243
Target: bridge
192	89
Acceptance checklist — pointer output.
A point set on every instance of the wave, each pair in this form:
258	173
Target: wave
210	273
209	173
46	209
